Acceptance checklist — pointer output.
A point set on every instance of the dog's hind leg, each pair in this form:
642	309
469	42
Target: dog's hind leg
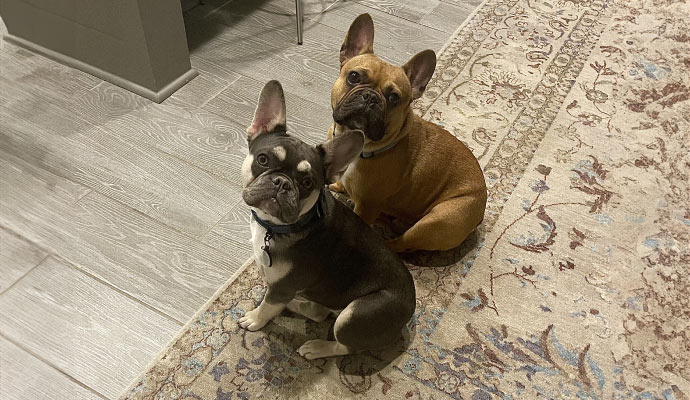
369	322
373	321
445	227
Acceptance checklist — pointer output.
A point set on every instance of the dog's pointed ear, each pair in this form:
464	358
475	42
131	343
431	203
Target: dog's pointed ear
339	152
359	39
419	70
269	115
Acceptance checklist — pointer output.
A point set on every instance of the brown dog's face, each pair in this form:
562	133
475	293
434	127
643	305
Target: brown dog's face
370	94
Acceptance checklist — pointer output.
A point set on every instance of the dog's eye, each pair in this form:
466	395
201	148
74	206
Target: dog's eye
353	78
307	183
262	159
393	99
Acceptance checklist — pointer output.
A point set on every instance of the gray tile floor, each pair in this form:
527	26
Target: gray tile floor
120	217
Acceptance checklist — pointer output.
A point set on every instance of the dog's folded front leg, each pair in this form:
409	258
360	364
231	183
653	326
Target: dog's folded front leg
272	305
337	187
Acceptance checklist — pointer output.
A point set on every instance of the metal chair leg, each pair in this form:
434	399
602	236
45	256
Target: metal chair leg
300	18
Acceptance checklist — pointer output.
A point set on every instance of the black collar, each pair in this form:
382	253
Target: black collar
370	154
312	216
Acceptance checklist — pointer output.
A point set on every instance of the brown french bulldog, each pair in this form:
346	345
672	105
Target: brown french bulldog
410	169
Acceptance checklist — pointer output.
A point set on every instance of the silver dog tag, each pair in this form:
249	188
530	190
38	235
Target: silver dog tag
265	256
265	259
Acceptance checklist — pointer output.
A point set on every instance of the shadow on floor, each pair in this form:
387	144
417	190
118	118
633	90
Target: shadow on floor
200	29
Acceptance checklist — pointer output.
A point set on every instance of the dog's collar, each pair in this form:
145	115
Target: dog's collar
311	217
371	154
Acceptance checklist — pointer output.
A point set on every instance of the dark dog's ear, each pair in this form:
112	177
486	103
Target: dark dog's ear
339	152
359	39
269	115
419	70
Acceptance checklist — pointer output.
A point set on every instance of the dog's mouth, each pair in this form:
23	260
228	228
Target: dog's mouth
266	202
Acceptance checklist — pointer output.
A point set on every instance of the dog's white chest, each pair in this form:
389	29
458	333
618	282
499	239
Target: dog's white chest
278	268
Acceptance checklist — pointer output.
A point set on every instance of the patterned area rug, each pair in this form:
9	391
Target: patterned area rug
577	283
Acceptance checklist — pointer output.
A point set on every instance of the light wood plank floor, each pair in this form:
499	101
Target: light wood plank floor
120	217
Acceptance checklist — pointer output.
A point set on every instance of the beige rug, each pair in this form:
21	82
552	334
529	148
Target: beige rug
576	286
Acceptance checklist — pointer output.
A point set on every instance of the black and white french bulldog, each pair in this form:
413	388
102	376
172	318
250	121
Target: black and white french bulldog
317	257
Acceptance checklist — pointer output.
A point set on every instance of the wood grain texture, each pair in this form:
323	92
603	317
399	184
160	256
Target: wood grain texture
447	17
471	3
395	40
261	45
277	29
161	267
37	128
201	89
83	327
17	257
231	230
23	377
411	10
212	142
20	65
305	120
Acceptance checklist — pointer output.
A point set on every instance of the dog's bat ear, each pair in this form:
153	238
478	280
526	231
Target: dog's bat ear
269	115
419	70
339	152
359	39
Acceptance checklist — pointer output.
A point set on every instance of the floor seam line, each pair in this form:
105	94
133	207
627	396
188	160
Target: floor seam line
7	289
53	366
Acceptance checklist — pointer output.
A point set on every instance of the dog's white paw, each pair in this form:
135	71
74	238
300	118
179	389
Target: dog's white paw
322	348
252	320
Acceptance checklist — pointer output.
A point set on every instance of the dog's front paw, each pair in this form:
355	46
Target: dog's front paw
337	187
252	320
322	348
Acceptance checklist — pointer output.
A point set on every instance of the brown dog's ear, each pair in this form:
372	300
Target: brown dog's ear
269	115
339	152
419	70
359	39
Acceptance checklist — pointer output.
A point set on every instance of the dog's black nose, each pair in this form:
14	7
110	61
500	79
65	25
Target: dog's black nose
283	184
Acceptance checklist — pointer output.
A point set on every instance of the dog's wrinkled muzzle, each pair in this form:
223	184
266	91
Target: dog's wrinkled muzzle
274	194
364	109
